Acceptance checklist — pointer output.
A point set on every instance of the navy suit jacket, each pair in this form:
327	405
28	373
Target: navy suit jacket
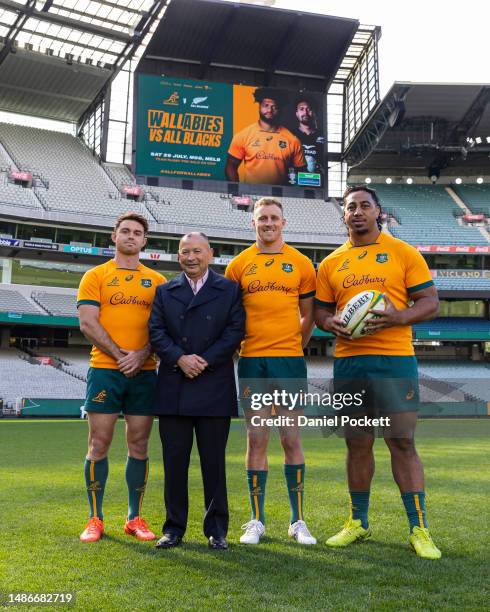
210	324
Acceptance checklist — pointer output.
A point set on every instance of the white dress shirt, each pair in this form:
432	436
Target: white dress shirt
196	286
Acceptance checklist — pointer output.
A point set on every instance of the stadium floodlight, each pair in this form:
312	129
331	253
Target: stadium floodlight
409	180
479	180
367	180
488	139
388	181
458	181
478	140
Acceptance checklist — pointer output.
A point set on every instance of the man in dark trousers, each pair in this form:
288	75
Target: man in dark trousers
196	325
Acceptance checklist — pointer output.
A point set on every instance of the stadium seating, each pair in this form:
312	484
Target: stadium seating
196	209
426	216
20	378
56	304
470	378
13	301
462	284
16	195
119	174
74	361
446	324
476	197
439	381
75	181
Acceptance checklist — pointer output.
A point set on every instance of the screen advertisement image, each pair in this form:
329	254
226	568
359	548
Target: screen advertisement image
236	133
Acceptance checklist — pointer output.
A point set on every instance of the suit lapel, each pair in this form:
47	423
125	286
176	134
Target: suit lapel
181	290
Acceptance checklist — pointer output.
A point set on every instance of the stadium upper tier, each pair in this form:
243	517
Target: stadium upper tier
425	216
71	179
476	197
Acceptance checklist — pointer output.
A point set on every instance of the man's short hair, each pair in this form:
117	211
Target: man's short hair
268	92
132	216
372	193
309	100
202	234
268	202
356	188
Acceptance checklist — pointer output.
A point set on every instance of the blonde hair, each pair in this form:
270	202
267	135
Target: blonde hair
268	202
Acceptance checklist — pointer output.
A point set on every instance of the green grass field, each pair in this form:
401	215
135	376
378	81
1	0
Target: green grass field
43	505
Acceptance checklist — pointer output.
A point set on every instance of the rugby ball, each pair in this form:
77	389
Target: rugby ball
355	312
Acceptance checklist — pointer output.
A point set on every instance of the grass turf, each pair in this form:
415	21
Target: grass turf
44	510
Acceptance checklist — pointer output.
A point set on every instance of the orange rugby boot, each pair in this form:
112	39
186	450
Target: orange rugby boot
93	531
139	528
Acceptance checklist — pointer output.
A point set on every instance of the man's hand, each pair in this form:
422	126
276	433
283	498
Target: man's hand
389	317
328	320
132	361
192	365
335	325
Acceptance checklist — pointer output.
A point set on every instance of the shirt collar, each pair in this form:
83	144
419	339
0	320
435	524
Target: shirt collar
197	285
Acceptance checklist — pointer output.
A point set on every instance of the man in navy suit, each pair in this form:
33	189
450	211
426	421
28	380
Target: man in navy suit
196	325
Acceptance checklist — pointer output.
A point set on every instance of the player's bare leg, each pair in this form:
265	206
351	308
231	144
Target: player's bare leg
257	441
405	463
100	433
138	430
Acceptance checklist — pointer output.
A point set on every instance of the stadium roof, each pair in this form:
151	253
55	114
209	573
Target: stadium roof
212	33
57	55
436	124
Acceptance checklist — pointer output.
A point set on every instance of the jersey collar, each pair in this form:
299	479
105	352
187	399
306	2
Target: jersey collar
281	252
379	240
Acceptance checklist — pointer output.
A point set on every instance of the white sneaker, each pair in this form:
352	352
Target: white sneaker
254	530
299	531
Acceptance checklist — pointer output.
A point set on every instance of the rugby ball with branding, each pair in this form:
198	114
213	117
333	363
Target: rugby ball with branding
355	312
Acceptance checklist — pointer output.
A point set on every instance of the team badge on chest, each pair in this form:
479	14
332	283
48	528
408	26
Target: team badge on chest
287	267
381	257
146	282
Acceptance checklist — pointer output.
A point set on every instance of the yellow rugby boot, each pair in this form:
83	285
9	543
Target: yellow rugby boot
352	531
423	545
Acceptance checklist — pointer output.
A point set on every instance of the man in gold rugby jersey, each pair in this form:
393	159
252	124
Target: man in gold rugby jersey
278	287
114	302
381	363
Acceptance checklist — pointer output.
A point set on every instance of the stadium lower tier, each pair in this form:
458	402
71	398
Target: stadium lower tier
51	382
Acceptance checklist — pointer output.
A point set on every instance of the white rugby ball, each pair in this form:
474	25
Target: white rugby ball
355	312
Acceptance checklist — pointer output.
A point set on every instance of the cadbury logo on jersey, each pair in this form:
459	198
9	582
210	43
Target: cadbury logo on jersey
351	280
264	155
257	286
121	298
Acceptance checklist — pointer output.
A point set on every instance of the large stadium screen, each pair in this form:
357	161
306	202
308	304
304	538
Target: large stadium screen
204	130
